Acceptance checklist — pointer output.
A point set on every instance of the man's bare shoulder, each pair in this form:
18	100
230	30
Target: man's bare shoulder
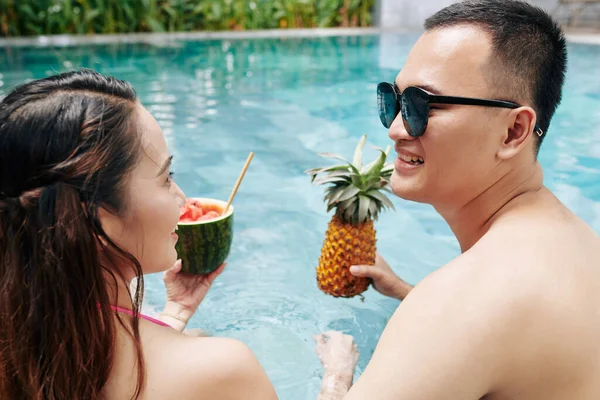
476	325
527	254
473	285
216	367
537	232
443	339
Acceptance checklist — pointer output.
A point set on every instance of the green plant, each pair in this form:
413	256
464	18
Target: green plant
45	17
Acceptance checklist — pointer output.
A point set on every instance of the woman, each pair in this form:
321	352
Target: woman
83	170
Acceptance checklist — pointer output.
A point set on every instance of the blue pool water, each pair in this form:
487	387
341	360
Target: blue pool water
286	100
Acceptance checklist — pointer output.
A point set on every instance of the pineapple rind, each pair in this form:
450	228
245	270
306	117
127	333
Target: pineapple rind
345	245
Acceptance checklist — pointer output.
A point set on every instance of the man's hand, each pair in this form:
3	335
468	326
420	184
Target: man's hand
339	355
385	281
338	352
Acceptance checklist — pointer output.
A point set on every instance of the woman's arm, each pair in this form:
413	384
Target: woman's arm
185	292
224	369
175	315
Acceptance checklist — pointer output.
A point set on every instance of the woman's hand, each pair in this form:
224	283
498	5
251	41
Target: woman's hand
185	292
385	281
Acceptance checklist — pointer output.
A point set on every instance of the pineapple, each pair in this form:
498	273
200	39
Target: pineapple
355	192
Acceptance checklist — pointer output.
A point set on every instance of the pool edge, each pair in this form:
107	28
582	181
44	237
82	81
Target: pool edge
166	38
161	38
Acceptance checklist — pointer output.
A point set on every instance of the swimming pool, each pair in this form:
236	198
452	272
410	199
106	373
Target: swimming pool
286	100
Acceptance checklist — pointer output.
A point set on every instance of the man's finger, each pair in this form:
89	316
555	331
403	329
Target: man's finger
319	339
365	271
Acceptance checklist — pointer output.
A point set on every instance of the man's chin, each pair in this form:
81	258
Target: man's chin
407	191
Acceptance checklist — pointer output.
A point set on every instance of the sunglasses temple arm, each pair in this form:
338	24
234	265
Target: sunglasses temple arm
468	101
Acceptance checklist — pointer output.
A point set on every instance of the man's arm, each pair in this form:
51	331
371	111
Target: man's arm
450	339
339	355
334	386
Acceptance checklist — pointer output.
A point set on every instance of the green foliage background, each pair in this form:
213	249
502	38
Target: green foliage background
44	17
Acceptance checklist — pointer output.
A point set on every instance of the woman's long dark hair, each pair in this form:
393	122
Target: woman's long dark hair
67	144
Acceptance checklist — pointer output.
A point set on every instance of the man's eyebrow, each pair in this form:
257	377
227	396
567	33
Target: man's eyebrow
431	89
165	166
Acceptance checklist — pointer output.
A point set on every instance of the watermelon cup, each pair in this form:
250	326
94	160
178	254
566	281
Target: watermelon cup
205	235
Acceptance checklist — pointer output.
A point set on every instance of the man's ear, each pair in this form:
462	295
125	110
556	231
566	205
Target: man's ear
520	128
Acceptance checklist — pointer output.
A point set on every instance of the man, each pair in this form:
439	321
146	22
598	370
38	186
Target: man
517	314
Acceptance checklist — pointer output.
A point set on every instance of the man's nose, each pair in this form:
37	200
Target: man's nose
397	130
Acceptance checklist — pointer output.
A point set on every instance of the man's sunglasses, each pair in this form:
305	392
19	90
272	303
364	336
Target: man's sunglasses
414	103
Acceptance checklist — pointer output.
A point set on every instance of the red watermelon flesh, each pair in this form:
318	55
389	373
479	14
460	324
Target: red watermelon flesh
194	211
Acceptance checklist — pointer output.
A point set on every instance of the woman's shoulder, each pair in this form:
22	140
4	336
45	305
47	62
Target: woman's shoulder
220	368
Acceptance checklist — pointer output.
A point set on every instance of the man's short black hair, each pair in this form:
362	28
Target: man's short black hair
529	50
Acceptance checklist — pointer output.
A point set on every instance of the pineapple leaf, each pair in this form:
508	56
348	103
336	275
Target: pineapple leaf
355	190
348	193
345	174
384	183
376	194
371	180
338	157
363	208
367	167
373	209
358	153
347	203
335	156
316	171
329	179
341	177
378	164
387	168
331	190
350	210
337	196
334	194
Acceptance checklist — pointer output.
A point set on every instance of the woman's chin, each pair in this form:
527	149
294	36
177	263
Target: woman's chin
161	265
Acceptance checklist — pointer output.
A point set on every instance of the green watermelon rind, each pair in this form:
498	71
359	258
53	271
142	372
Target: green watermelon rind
203	246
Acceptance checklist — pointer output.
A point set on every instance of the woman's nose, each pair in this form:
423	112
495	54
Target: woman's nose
179	195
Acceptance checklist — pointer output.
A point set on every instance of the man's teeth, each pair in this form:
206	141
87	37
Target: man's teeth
412	159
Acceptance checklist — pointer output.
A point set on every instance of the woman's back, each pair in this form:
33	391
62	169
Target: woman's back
184	367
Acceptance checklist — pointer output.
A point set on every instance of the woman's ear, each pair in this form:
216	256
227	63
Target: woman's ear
111	224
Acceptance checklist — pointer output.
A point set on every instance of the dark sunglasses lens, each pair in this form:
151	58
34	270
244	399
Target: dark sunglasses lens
415	111
386	103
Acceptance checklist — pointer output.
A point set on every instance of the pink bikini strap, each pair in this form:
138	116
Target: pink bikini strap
146	317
